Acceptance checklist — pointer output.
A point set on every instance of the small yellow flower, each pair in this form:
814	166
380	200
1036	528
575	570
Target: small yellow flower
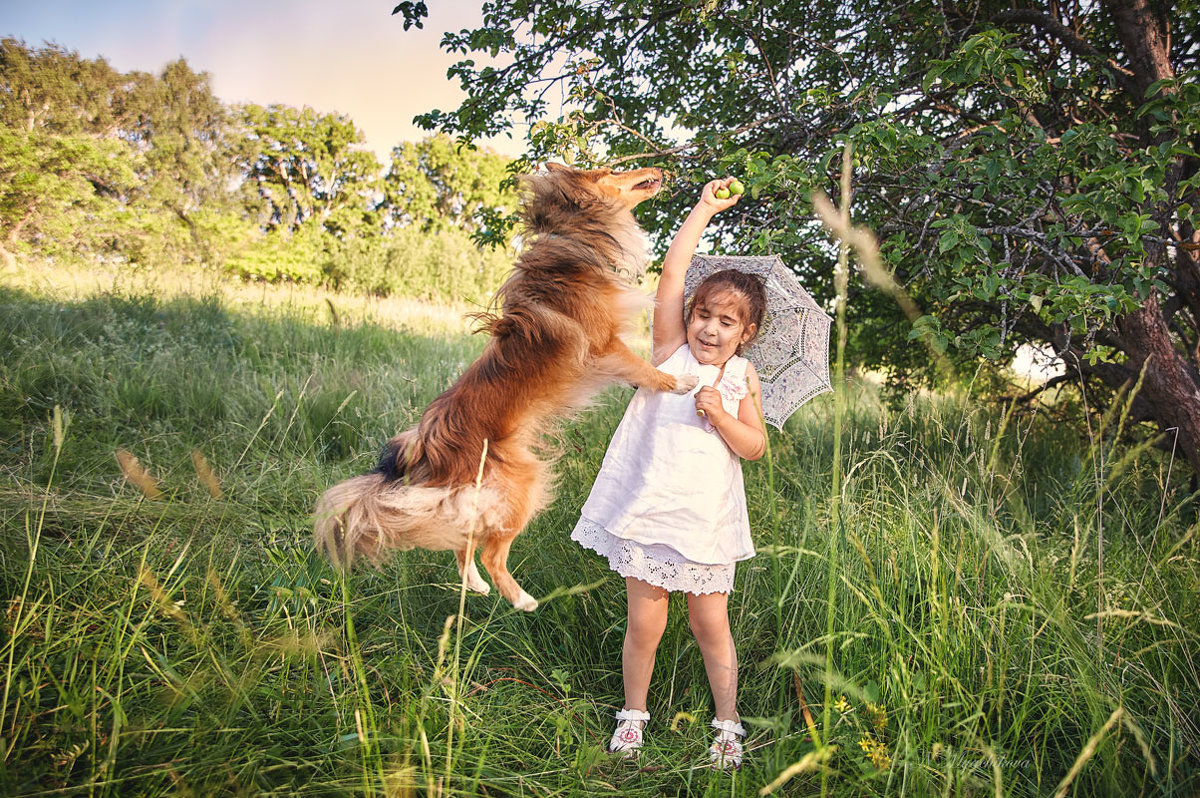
876	751
878	716
842	705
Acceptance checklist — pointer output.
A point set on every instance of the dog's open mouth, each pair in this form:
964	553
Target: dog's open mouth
650	184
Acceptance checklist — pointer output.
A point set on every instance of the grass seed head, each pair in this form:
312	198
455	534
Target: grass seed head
138	475
206	475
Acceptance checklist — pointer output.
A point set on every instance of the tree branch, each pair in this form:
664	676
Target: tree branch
682	147
1070	40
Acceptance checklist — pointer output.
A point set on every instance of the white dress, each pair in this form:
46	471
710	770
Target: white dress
669	504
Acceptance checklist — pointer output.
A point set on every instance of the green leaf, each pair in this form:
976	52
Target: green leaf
987	287
947	241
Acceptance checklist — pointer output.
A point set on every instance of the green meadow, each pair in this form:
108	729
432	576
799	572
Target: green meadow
1015	596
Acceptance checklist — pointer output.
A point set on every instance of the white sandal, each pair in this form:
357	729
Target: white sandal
726	750
627	738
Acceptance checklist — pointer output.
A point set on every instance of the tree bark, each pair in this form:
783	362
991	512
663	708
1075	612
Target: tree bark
1146	39
1171	386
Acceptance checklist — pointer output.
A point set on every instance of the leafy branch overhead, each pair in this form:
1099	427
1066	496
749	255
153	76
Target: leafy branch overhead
1032	171
414	14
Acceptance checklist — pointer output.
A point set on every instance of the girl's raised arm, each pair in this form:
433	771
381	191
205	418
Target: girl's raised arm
669	330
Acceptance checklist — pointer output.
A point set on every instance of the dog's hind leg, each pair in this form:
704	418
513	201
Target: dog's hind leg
495	560
467	570
522	481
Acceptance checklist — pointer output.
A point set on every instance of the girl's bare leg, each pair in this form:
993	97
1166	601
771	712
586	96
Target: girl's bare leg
647	619
708	614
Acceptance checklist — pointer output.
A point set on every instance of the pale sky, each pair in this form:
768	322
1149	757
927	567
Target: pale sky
350	56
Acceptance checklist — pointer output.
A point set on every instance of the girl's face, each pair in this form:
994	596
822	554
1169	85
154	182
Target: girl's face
715	329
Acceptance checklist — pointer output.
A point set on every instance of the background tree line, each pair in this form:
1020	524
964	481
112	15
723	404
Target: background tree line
1032	168
154	169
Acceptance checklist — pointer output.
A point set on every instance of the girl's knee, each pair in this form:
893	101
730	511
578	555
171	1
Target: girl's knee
645	631
709	627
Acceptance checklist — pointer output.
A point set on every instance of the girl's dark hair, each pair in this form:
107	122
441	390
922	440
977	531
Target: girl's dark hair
749	286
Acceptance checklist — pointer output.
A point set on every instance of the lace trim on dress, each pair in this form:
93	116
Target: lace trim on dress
655	564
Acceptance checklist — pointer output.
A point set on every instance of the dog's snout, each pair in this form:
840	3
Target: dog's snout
649	179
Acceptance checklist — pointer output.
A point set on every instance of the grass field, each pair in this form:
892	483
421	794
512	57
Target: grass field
1017	602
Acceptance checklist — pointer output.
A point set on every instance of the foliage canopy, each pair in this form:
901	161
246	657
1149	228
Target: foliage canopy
155	169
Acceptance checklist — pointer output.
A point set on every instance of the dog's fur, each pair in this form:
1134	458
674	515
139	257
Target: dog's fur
554	342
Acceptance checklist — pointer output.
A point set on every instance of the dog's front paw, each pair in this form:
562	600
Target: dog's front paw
685	383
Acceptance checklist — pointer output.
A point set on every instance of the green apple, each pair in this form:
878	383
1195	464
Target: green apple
721	193
736	187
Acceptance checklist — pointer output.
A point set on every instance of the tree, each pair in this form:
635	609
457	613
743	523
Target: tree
437	184
184	134
307	165
147	158
53	190
155	169
184	206
56	171
1031	168
54	90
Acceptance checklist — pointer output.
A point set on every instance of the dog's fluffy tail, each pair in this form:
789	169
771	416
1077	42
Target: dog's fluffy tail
371	516
342	523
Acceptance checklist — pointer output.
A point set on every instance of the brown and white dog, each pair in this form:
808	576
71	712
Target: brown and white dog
555	341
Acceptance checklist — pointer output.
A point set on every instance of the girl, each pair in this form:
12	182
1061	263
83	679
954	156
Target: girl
668	508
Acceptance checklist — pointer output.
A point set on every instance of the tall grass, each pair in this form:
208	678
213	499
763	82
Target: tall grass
194	643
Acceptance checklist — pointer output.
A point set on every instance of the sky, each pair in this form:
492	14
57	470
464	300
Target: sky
349	56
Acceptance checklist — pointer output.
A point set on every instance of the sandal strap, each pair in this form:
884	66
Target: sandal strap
632	714
731	726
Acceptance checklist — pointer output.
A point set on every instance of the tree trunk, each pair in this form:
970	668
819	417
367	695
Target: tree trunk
1146	39
12	238
1171	386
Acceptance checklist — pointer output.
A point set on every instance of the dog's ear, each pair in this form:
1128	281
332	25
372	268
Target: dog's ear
563	187
558	193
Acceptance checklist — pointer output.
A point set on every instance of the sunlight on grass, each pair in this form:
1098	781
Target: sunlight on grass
71	283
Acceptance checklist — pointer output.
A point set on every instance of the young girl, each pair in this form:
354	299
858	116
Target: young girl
668	508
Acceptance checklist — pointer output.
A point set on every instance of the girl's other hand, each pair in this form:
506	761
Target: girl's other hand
708	401
709	198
